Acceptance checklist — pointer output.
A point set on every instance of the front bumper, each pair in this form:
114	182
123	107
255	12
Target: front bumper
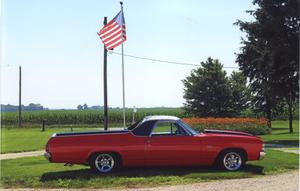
48	156
262	155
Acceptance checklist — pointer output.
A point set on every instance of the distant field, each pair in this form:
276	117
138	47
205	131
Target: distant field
84	116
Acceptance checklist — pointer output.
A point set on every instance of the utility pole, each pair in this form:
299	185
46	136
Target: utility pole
20	98
105	83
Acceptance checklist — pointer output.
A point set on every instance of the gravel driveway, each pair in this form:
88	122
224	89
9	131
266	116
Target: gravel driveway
20	155
281	182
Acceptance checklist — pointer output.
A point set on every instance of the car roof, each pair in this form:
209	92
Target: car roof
160	117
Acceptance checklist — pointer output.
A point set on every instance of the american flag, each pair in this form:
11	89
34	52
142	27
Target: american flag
113	33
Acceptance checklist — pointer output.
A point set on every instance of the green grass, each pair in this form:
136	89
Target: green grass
278	161
37	172
280	133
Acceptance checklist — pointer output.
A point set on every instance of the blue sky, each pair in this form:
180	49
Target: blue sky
61	55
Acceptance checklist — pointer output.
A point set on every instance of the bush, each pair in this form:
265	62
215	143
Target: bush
250	125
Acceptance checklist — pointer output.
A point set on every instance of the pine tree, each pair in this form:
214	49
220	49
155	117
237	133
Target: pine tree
269	55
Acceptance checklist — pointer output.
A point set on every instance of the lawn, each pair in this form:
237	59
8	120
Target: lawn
37	172
29	139
280	133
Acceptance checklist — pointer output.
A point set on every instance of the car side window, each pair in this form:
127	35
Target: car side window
144	129
167	129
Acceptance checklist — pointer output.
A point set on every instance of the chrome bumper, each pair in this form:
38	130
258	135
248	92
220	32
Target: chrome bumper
47	156
262	155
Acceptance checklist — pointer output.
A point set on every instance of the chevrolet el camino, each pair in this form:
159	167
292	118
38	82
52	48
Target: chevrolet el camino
155	141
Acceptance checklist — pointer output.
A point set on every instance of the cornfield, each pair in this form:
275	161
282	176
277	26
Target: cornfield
79	117
84	116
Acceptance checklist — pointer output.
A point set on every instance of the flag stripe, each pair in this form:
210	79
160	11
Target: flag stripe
114	45
107	43
110	24
108	29
111	38
117	38
112	34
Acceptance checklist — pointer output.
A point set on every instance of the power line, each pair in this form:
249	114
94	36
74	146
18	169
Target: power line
151	59
165	61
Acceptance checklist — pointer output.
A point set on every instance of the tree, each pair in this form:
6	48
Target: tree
79	107
207	91
240	93
269	55
33	106
85	106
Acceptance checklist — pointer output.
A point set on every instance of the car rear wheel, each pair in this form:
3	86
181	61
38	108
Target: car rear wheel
104	162
231	160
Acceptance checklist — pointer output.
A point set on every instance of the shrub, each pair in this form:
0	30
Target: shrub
250	125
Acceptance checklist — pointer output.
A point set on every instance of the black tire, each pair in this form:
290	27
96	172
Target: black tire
110	163
231	160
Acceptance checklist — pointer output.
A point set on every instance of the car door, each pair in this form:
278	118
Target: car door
133	154
169	144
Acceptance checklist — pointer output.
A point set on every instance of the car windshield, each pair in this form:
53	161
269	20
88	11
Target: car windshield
187	127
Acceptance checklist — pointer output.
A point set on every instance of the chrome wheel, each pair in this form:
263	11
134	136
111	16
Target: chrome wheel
232	161
104	162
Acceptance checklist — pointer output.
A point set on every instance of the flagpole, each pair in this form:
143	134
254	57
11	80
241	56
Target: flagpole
105	119
123	81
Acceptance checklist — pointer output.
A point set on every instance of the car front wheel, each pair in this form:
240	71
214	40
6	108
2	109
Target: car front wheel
232	160
104	162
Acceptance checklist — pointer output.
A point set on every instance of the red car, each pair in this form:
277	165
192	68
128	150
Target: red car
155	141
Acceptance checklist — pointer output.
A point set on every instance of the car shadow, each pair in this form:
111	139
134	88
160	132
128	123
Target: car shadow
143	172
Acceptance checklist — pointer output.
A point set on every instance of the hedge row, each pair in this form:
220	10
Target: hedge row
255	126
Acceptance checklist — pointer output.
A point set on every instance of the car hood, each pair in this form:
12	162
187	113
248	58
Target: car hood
226	132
